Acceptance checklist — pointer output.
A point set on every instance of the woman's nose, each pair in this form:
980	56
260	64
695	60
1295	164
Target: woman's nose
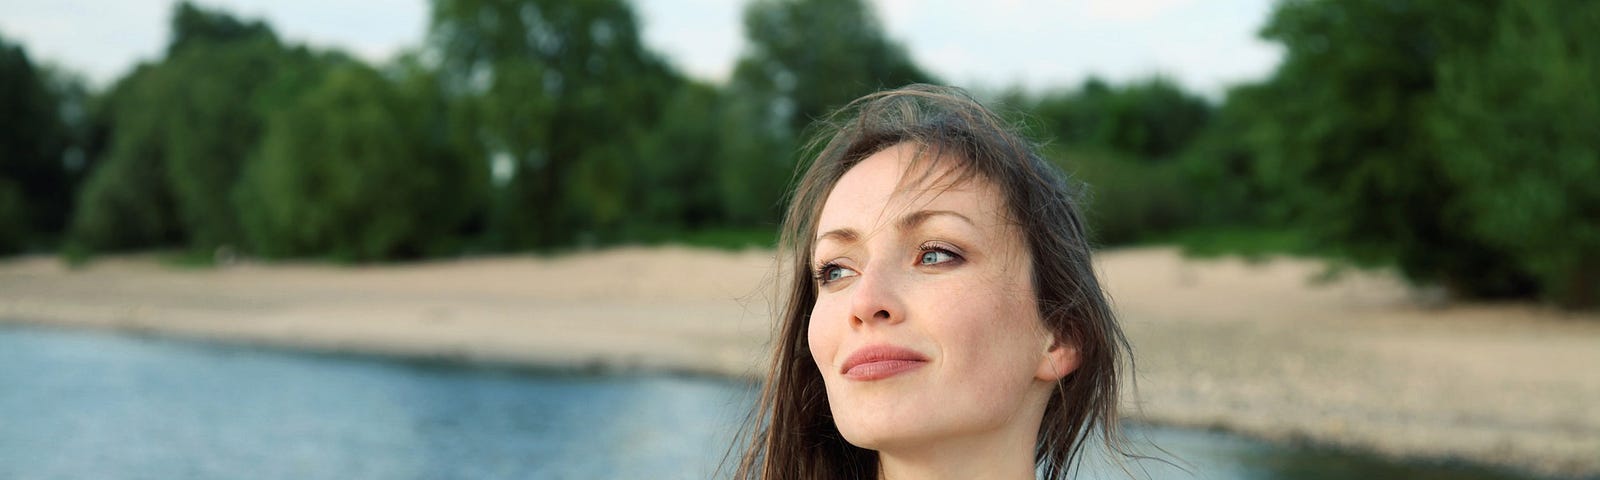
877	298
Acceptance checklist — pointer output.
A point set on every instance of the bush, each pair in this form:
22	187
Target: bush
1126	200
13	217
1152	119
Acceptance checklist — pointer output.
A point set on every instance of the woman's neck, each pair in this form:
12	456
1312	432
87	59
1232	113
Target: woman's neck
1005	454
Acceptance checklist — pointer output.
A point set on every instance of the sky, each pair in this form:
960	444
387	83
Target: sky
991	44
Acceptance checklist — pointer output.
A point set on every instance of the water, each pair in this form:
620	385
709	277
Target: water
97	405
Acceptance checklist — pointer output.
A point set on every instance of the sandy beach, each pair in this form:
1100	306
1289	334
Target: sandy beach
1360	362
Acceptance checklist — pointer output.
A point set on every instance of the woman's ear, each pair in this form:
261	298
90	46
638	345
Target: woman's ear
1059	359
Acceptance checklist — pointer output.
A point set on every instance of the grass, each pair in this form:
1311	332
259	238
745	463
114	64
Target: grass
188	258
723	238
1252	243
719	238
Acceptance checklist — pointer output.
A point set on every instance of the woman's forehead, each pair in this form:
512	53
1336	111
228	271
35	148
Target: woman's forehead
896	181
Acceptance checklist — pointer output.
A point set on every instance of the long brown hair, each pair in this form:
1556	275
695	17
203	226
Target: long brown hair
791	434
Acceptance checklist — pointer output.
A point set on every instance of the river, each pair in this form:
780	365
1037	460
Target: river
78	404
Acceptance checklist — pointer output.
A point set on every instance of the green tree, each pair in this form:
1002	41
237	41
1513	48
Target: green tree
356	170
449	148
186	123
1219	164
1128	199
558	92
803	59
1071	116
677	158
1152	119
751	175
125	201
220	69
197	27
1518	125
35	183
1340	131
807	57
1123	142
178	132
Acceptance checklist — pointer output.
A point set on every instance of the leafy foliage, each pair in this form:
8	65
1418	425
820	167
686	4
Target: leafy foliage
806	58
180	130
561	89
1339	130
352	170
1453	140
1151	119
1517	126
1128	200
803	59
35	185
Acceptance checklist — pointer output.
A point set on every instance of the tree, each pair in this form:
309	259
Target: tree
1219	164
356	170
676	160
803	59
1518	125
221	70
192	118
1152	119
558	92
125	202
1072	116
35	183
806	58
195	27
1340	130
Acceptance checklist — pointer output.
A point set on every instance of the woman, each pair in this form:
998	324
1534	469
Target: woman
951	325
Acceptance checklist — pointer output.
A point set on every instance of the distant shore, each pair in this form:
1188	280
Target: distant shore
1258	349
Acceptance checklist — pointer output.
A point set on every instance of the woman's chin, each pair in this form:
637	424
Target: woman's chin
881	437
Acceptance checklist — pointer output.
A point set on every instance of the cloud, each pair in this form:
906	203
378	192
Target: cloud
1131	10
102	40
702	37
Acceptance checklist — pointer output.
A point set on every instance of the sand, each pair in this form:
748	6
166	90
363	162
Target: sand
1361	362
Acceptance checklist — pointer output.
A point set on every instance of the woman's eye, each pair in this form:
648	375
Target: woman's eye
935	257
829	273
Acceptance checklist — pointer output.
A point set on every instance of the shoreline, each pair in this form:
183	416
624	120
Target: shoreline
1358	363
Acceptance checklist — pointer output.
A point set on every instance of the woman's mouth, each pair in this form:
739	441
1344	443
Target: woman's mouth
877	362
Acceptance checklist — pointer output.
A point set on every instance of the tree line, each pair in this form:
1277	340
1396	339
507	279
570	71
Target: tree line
1454	141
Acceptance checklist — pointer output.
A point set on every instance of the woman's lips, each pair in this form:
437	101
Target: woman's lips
876	362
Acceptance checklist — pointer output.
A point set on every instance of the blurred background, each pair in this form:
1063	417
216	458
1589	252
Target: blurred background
1454	141
1452	146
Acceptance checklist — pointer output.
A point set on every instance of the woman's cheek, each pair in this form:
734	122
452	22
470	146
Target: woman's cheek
822	334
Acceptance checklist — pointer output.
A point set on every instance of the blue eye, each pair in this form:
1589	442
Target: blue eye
830	272
834	273
935	257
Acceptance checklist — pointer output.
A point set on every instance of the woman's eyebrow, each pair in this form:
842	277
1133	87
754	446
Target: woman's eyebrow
841	235
913	220
907	223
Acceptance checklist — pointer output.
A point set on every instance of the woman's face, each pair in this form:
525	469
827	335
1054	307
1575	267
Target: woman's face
926	326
